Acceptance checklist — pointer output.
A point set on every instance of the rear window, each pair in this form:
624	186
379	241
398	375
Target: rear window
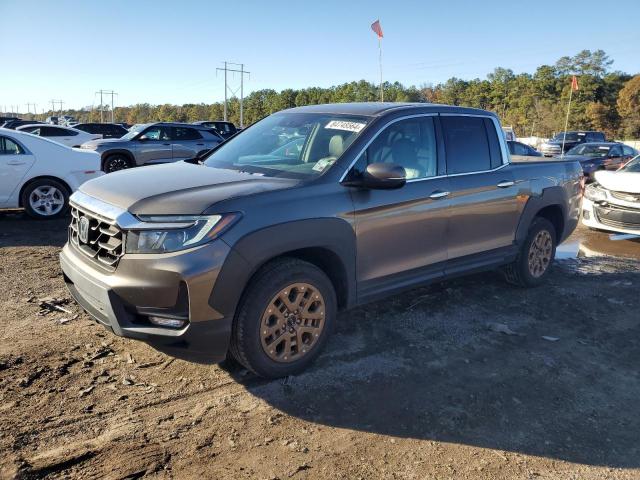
183	133
467	144
595	137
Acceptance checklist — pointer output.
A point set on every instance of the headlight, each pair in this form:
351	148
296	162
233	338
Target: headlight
176	232
595	193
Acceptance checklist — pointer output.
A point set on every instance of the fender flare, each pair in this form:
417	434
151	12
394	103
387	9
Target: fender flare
551	197
333	236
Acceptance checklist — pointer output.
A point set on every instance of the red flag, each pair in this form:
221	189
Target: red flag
375	26
574	83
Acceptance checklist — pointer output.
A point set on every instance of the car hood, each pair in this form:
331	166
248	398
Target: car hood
177	188
620	181
104	141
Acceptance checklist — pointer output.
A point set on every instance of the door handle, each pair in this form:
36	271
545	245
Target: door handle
16	162
506	184
200	144
439	194
166	144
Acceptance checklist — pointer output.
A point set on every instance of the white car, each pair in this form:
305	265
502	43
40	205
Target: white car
39	175
70	137
612	202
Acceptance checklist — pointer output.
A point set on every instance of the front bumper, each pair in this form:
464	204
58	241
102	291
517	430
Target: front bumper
613	218
177	284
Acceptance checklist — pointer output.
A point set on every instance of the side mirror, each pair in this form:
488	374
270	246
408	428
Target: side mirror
143	138
380	176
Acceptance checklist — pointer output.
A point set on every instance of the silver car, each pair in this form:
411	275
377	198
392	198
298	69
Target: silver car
153	143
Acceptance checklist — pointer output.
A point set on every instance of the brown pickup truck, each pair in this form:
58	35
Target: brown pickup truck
253	248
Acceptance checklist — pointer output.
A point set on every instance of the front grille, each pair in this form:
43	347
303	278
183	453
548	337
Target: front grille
619	217
627	197
104	243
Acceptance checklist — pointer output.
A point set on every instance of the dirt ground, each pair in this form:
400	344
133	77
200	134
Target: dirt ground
426	384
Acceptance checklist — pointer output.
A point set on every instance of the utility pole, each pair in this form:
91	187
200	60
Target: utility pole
106	92
227	89
35	110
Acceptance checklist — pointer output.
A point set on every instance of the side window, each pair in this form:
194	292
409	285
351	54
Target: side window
9	147
628	150
494	143
466	143
157	133
55	132
616	151
184	133
410	143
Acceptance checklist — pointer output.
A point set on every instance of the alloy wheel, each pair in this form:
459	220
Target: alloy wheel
292	323
540	253
115	164
46	200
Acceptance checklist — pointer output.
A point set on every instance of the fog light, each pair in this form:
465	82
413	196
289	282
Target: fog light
586	214
167	322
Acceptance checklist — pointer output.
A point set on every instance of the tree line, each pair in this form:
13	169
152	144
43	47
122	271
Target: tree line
534	104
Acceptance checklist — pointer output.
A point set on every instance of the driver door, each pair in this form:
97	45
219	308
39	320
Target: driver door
401	233
154	145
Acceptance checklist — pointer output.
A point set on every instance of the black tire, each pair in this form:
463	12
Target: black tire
56	192
519	272
246	341
116	162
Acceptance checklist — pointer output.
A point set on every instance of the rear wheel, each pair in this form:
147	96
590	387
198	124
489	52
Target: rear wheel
284	319
116	162
45	198
535	257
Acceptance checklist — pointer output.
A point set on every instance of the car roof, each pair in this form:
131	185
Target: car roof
26	137
176	124
602	144
376	109
40	125
98	123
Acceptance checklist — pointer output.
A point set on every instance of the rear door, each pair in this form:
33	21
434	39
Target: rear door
187	143
401	234
154	145
15	162
484	210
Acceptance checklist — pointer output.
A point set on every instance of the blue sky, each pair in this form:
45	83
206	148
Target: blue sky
167	51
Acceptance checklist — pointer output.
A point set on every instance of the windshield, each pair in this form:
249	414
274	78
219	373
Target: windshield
133	132
291	145
571	137
596	151
633	166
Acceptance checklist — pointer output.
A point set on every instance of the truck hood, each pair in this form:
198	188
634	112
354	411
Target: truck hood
621	181
177	188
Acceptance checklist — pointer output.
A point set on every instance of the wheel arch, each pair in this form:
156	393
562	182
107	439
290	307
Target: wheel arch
329	244
551	205
41	177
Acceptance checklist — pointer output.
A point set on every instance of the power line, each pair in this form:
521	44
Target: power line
227	89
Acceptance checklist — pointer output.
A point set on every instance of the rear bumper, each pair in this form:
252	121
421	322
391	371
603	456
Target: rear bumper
173	284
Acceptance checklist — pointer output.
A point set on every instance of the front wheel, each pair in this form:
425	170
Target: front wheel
45	198
535	257
284	319
116	162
